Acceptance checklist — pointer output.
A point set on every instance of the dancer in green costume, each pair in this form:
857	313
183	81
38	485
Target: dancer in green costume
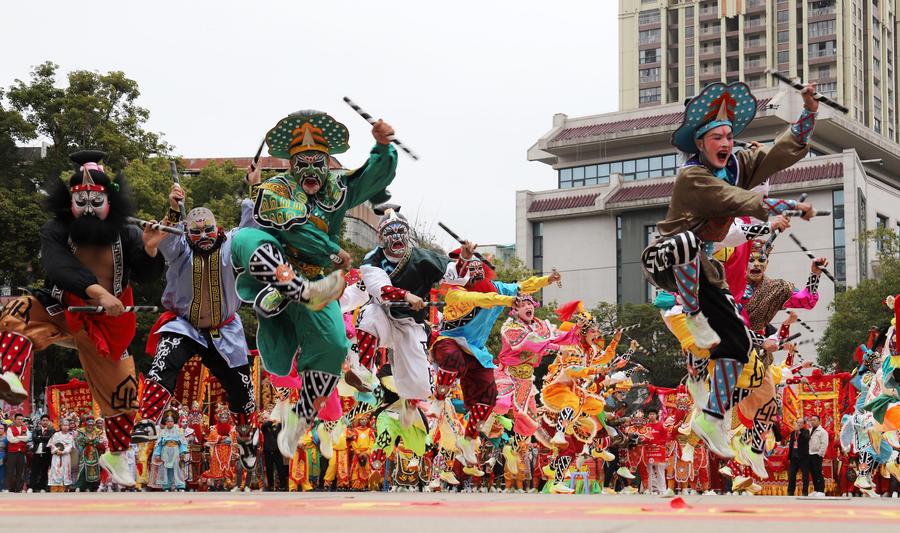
300	214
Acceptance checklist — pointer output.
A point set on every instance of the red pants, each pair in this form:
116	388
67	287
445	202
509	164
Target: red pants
477	382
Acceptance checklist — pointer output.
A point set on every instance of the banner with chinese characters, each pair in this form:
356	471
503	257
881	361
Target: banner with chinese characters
188	388
74	396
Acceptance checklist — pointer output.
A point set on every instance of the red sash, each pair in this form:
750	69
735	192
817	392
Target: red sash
165	318
111	335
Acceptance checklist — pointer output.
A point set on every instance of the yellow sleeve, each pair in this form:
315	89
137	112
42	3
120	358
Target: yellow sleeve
608	354
478	299
534	284
777	373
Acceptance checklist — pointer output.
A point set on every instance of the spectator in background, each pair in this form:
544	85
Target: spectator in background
798	457
17	445
274	462
818	446
3	457
40	458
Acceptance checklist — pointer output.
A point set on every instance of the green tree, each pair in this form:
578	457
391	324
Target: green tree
659	350
92	111
857	309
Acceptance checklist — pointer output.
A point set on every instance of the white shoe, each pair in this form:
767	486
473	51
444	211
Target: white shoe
741	483
713	434
624	473
559	488
726	471
117	466
668	493
291	432
11	389
413	463
710	493
30	490
704	336
360	378
317	294
449	478
862	483
758	464
467	450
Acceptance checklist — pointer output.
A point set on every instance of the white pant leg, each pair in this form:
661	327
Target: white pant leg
412	375
407	339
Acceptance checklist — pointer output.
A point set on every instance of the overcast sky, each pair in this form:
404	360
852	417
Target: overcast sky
468	85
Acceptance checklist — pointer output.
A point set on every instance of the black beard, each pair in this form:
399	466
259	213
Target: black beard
197	250
90	230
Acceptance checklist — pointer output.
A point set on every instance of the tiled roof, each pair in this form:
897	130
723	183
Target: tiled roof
266	163
194	165
565	202
650	191
810	173
593	130
642	192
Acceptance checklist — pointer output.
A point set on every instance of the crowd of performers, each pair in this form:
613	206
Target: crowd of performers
382	385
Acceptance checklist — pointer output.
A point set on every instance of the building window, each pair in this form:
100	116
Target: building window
650	55
819	29
649	235
840	250
648	75
784	36
649	36
649	17
822	49
881	222
689	71
689	12
618	259
631	170
828	89
862	226
818	8
783	16
648	96
784	56
689	51
537	247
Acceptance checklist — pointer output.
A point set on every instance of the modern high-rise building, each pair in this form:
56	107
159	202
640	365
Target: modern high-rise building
671	49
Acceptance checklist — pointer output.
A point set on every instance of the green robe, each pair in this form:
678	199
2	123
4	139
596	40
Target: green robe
311	228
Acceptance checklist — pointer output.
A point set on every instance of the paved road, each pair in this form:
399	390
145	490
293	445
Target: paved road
438	513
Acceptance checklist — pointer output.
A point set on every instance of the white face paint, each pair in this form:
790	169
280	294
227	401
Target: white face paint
90	200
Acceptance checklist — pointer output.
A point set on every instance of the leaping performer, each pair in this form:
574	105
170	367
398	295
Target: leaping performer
399	277
90	255
200	315
460	350
300	214
712	188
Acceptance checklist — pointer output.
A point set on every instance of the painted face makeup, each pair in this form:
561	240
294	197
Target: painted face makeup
756	267
90	200
310	169
202	230
394	240
717	145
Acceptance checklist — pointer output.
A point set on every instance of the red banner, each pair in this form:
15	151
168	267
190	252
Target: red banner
188	388
74	396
